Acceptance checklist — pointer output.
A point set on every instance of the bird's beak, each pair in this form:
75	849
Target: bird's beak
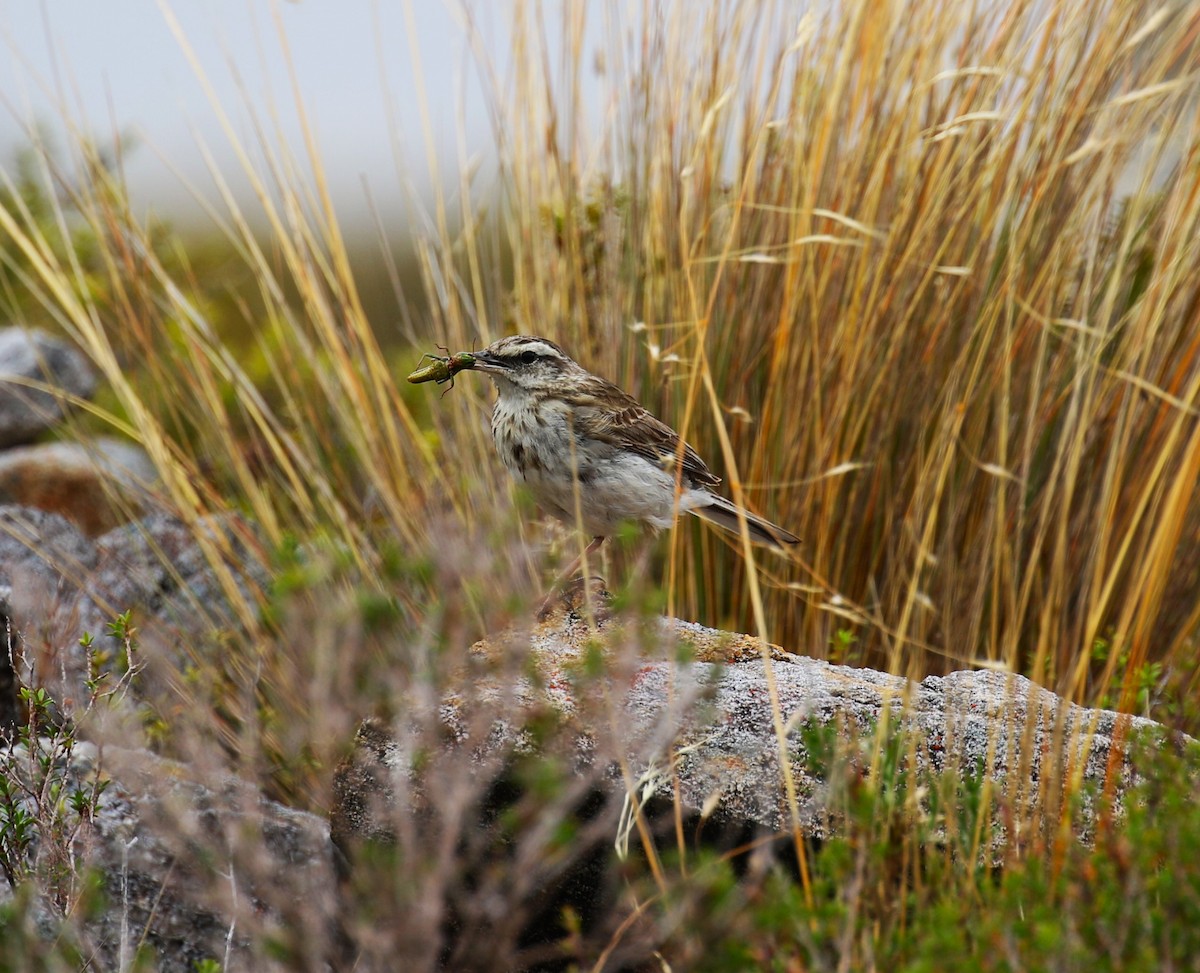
481	361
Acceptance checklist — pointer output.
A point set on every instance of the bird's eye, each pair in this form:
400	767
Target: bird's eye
529	357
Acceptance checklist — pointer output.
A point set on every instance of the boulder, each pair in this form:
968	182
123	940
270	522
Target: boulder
59	585
29	358
95	485
687	710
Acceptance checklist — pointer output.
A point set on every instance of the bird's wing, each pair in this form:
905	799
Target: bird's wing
606	413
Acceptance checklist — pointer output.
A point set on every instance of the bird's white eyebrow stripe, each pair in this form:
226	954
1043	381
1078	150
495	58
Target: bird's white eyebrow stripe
540	348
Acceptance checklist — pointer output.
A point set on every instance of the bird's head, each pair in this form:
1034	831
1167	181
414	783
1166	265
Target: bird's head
526	363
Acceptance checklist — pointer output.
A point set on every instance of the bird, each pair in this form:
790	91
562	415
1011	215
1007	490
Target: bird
591	455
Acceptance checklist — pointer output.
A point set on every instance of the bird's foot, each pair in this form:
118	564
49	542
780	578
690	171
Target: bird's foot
579	597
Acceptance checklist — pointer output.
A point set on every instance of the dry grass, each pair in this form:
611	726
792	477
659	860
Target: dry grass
918	281
918	278
928	277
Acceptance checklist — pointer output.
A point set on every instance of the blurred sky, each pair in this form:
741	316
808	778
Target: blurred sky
115	66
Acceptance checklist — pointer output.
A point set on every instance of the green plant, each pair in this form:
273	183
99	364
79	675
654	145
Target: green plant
49	794
841	645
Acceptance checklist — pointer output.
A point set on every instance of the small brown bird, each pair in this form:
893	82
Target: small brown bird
591	455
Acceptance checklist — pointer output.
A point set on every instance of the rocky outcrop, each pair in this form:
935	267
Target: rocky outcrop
635	714
705	729
659	731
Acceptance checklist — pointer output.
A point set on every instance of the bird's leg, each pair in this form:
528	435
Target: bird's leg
575	564
560	582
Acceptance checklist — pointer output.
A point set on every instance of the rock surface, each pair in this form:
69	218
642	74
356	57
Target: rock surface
706	726
192	867
57	585
93	485
28	358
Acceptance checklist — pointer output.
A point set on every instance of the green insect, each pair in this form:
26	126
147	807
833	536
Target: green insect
442	368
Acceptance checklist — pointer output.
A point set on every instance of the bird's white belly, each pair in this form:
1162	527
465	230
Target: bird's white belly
589	484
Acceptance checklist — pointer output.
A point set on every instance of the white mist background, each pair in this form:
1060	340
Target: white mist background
114	68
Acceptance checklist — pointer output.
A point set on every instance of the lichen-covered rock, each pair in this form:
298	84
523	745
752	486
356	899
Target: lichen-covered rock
61	585
686	710
193	867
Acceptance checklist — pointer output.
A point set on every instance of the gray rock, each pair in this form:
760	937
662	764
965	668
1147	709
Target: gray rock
710	723
29	355
193	867
62	585
41	545
43	559
155	563
728	754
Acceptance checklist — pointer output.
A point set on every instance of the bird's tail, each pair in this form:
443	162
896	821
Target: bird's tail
724	514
